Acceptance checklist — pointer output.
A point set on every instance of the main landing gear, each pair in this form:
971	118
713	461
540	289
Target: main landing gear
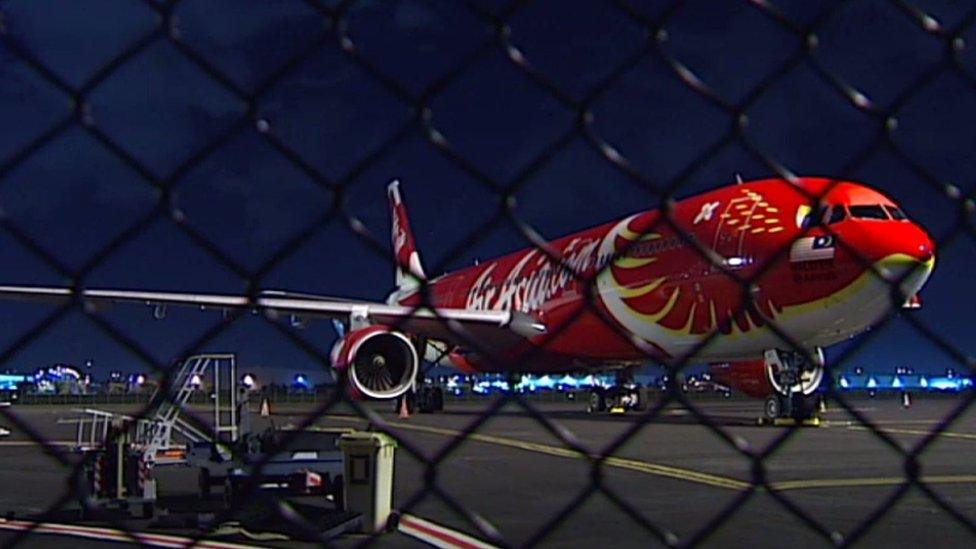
425	399
624	396
794	378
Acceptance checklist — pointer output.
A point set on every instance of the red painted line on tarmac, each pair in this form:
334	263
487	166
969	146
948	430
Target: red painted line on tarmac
109	534
437	535
35	443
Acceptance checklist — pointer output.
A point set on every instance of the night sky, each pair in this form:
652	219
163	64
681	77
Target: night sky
73	195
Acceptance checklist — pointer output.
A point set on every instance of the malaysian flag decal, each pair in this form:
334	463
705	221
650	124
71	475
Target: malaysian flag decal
812	248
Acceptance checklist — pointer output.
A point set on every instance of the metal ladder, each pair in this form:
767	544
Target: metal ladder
154	432
157	432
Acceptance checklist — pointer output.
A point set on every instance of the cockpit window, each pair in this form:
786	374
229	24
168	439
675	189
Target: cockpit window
896	213
812	218
873	211
837	214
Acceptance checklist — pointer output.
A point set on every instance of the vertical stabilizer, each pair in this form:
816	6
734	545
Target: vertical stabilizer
409	272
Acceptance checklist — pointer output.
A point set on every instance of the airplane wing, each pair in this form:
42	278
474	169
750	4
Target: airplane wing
457	326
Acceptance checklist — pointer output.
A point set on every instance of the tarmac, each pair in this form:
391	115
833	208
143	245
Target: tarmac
555	476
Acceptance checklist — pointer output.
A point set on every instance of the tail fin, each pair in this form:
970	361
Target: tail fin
409	272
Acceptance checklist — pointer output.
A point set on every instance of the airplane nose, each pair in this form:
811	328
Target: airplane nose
908	255
925	250
918	244
897	243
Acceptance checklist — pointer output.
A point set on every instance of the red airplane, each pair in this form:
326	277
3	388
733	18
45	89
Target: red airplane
753	278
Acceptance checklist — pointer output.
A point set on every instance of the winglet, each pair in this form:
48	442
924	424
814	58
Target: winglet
409	272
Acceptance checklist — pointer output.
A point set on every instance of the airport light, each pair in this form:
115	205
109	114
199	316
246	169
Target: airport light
248	381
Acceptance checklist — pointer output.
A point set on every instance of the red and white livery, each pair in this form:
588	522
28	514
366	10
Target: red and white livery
754	278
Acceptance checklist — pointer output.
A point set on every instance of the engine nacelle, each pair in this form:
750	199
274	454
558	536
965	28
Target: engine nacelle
380	362
747	376
761	378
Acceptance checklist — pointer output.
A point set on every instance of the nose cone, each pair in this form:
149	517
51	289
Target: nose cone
903	253
919	245
903	241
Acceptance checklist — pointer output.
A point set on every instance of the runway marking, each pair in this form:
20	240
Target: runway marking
438	535
899	422
35	443
656	469
111	534
918	432
678	473
867	482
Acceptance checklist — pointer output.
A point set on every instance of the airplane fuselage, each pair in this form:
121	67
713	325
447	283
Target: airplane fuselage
720	276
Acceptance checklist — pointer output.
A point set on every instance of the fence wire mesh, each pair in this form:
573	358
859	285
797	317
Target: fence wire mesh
329	33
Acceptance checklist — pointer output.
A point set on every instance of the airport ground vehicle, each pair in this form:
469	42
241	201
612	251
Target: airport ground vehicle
310	463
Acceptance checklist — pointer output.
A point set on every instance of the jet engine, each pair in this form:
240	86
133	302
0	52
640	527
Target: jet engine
763	377
379	362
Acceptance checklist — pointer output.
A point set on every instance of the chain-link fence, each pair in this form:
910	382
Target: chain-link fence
643	59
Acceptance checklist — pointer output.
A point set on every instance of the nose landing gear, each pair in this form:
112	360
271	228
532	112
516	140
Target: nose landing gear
794	378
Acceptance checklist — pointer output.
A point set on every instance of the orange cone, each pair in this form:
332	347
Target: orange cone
404	410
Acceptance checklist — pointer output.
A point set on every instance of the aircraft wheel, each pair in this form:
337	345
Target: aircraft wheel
804	407
597	402
438	398
639	399
427	399
772	408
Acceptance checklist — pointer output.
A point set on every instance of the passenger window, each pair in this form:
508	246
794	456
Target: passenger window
873	211
896	213
837	214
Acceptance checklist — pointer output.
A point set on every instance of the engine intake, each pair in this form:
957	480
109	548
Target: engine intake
380	362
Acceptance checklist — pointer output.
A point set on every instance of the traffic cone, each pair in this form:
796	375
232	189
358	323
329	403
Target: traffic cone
906	400
404	409
265	407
